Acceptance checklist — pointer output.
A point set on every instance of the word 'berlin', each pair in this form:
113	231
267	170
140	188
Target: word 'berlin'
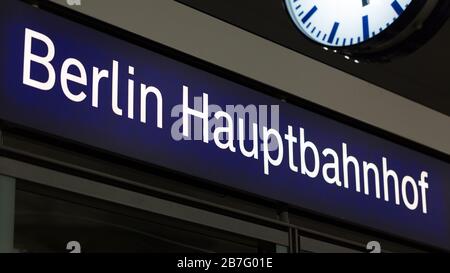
299	154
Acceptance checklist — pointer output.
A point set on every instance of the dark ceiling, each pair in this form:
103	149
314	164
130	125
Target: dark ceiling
422	76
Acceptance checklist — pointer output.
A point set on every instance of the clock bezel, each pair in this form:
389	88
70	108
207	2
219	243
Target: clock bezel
419	21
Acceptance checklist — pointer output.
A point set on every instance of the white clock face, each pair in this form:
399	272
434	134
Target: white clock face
344	22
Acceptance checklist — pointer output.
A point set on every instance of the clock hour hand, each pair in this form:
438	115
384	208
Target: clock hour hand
365	2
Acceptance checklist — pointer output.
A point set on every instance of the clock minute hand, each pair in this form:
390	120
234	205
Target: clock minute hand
365	2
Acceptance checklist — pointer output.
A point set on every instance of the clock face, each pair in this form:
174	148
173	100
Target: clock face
341	23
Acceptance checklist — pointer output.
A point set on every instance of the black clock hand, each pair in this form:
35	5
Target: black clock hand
365	2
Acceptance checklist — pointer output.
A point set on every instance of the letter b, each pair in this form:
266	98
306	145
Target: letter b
29	57
304	145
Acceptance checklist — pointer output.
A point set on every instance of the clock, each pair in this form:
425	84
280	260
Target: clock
368	29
